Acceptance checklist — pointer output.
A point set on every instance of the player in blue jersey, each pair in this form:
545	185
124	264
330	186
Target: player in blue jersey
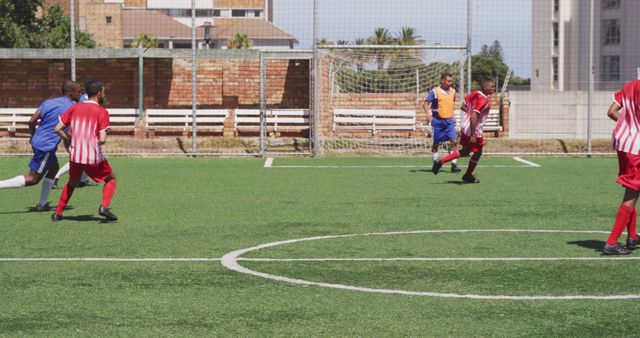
44	142
439	106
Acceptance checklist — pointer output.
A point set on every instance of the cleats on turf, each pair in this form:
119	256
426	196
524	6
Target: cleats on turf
436	167
616	250
106	212
632	244
470	179
40	208
455	168
55	217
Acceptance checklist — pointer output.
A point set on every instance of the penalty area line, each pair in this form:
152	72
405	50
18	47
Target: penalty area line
529	163
268	163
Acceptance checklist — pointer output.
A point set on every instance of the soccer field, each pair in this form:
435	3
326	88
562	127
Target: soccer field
322	247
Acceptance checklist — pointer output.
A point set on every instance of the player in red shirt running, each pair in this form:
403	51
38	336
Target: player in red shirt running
87	124
477	107
625	110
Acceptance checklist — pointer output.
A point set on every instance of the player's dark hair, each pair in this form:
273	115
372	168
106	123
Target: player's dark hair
93	87
485	81
445	75
68	86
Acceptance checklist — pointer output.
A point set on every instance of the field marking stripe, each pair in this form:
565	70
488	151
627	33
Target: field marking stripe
385	166
79	259
529	163
268	163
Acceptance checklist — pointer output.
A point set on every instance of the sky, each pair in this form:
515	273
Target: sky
445	22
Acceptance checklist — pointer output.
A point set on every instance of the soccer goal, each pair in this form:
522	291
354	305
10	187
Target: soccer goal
370	97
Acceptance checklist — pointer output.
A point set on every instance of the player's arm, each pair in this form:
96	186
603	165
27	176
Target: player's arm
62	133
473	126
102	139
614	111
33	123
426	106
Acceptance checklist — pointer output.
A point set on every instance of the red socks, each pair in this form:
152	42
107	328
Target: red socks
107	192
632	225
450	157
626	217
64	198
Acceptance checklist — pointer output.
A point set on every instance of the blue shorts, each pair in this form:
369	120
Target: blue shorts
41	160
444	130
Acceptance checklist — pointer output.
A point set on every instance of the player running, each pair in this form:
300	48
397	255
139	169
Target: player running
88	123
477	107
626	111
44	143
439	106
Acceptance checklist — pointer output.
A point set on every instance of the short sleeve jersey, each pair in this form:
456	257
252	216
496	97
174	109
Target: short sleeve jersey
45	137
86	120
476	102
626	135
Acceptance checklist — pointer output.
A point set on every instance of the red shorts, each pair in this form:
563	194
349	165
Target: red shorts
629	173
97	172
465	141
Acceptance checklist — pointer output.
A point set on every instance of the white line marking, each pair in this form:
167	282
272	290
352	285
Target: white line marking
35	259
529	163
439	259
231	259
268	162
385	166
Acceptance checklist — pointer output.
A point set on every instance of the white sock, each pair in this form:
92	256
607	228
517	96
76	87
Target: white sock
16	182
47	183
63	170
434	156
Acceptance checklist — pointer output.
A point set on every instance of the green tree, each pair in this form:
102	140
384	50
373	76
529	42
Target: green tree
381	37
407	37
17	22
239	41
54	31
144	40
493	51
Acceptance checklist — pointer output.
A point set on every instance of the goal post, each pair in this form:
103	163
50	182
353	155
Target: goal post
370	96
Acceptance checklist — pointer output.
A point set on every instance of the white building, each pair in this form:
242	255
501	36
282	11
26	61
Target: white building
560	44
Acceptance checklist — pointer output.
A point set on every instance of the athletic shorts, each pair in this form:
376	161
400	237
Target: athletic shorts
629	172
97	172
465	141
41	160
444	130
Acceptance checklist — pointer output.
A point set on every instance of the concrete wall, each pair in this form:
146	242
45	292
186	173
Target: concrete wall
558	115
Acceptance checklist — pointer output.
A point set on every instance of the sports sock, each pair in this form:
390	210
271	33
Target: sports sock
472	166
434	156
47	183
633	233
451	157
63	170
623	218
108	191
67	192
16	182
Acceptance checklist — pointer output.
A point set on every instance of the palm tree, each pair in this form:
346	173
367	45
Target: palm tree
342	42
382	37
324	42
239	41
144	40
407	37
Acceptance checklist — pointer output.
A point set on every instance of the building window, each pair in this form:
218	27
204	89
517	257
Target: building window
556	71
556	6
238	13
109	20
216	12
611	68
611	4
257	14
556	35
611	29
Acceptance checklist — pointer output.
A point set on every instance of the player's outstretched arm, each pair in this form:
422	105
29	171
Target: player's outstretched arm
63	134
33	122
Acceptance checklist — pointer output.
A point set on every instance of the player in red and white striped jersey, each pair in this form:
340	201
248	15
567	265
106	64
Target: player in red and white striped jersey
626	141
477	107
87	124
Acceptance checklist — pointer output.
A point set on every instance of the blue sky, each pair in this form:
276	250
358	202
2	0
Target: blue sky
508	21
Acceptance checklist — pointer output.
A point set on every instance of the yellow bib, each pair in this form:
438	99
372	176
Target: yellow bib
446	102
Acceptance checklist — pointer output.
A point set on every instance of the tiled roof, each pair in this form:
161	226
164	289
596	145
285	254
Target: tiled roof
162	26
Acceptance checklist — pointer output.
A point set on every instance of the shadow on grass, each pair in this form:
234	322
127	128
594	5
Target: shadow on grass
33	210
589	244
85	218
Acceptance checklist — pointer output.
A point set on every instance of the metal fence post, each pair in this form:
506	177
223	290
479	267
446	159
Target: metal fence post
194	132
140	82
72	13
591	80
263	104
315	147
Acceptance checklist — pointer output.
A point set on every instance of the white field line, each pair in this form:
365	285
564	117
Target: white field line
311	260
383	166
529	163
268	162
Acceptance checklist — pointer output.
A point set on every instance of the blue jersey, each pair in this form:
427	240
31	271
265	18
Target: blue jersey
45	137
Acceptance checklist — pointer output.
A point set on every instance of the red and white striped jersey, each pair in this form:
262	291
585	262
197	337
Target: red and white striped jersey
476	102
86	120
626	135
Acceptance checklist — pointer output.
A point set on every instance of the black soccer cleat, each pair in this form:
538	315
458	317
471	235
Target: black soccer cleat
615	250
470	179
55	217
632	244
455	168
436	167
106	212
40	208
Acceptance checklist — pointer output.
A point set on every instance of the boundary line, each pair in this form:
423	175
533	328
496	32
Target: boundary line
529	163
268	162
